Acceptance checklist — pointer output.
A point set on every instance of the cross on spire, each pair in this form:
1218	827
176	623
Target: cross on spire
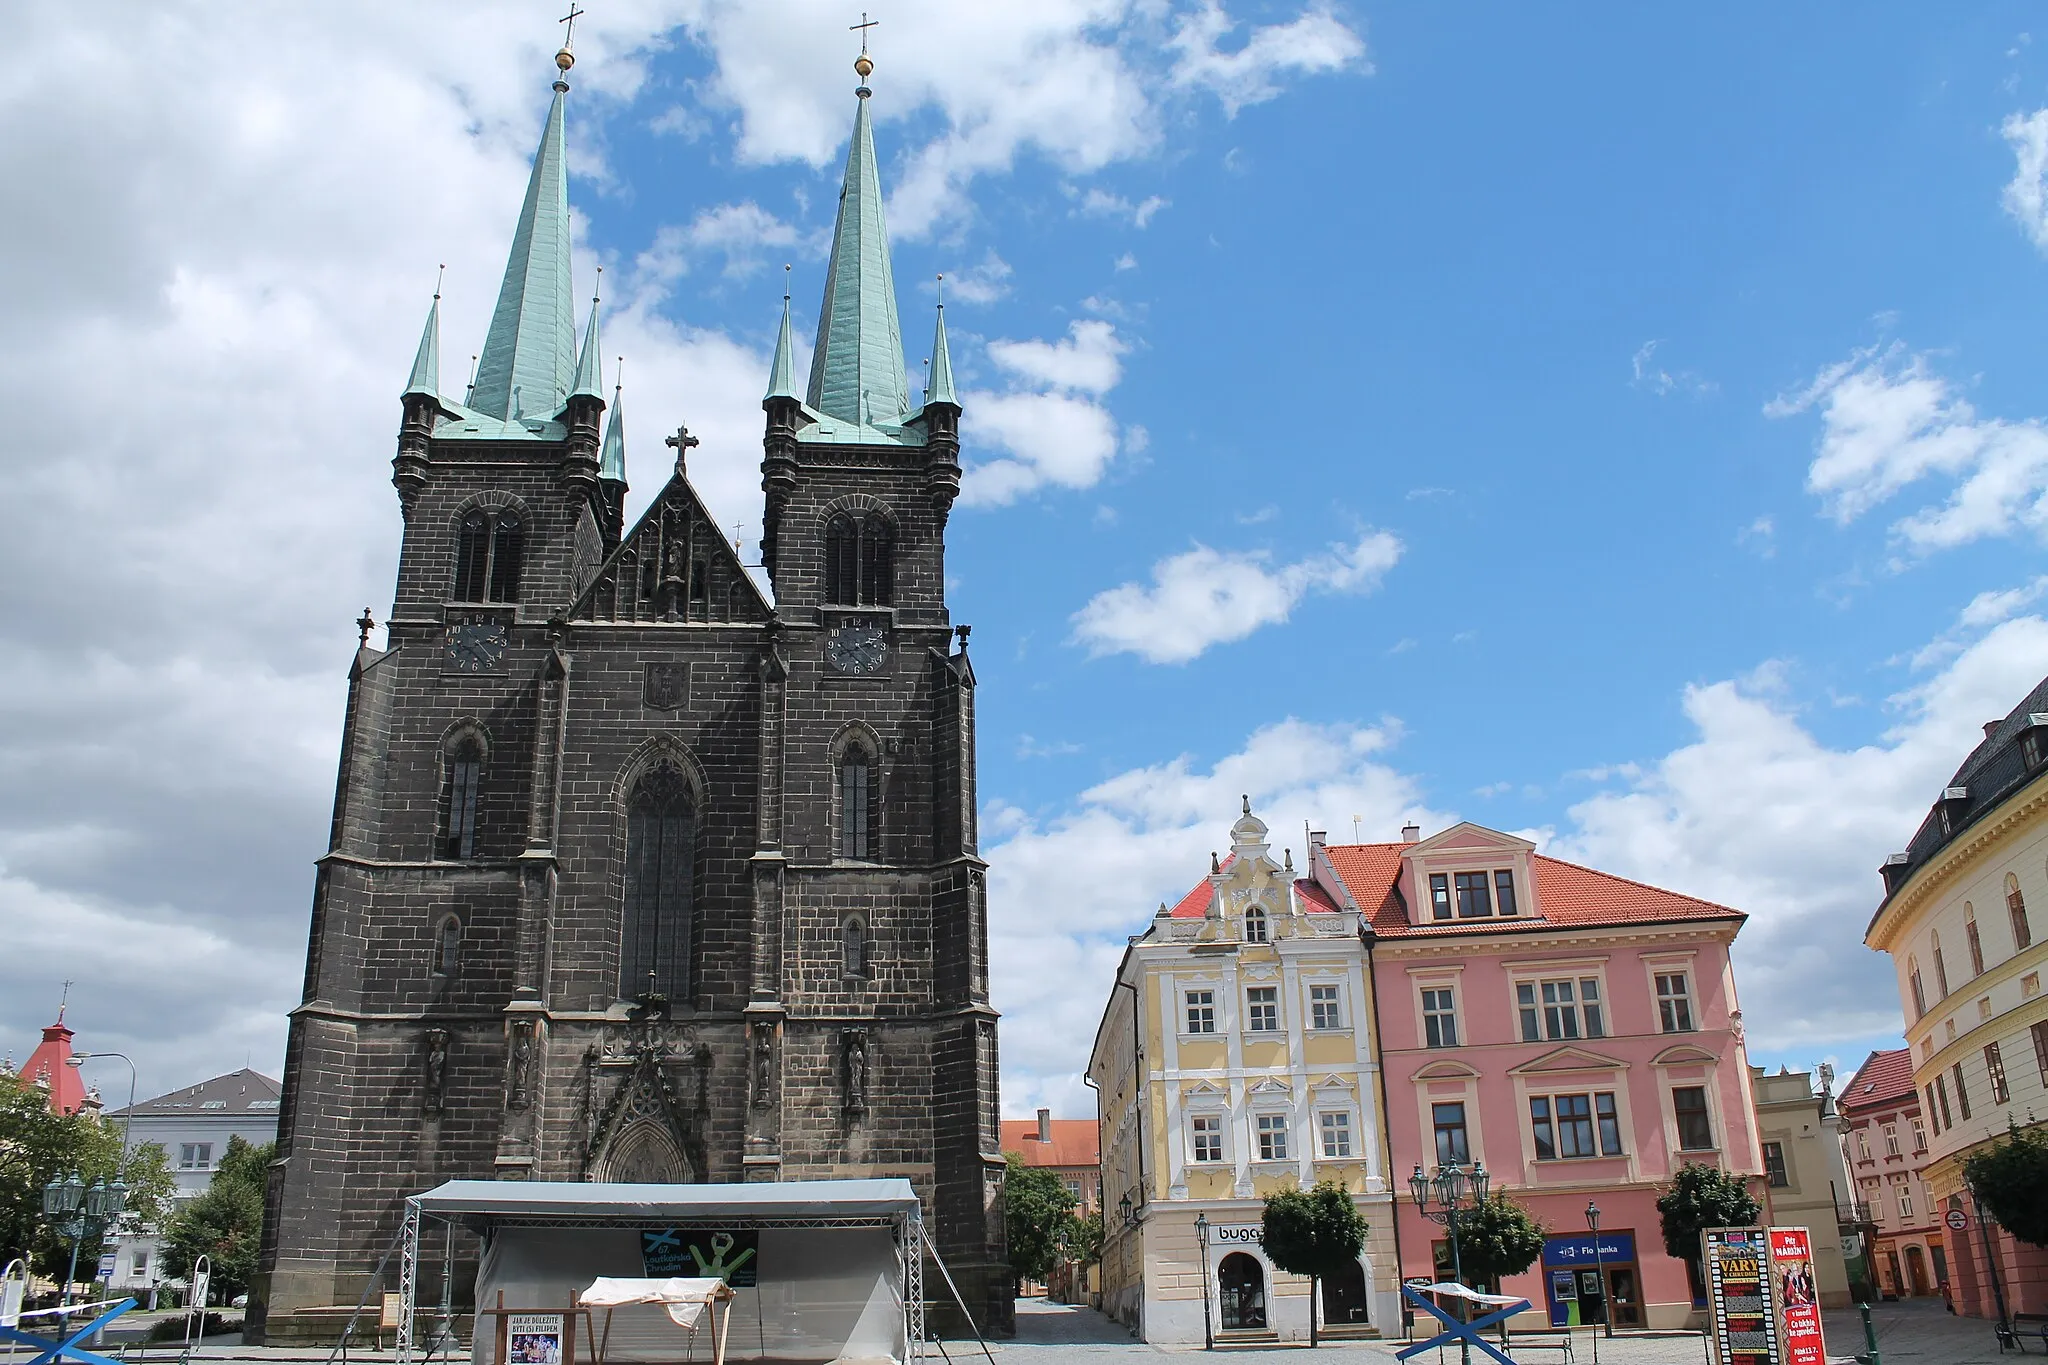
681	443
573	15
862	29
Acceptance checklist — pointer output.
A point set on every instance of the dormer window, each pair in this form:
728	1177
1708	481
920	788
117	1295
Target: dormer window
1439	896
1255	924
1474	900
1504	891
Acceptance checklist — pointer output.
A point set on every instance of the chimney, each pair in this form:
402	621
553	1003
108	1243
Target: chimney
1991	725
1045	1125
1411	833
1317	838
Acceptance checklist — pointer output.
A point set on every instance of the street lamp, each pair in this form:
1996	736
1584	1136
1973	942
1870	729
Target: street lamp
1449	1186
1123	1207
1202	1236
78	1060
71	1206
1600	1272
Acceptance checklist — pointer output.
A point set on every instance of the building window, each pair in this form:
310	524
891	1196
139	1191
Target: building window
1695	1129
1933	1114
2030	985
448	952
490	552
1568	1009
1208	1136
859	563
1919	991
1906	1202
2016	906
1325	1010
1891	1139
1439	896
1474	902
853	948
1962	1092
1255	924
1674	1002
195	1156
1272	1137
1995	1066
1919	1136
1201	1006
1451	1147
2040	1035
2030	748
140	1265
1950	1026
1564	1127
1774	1165
461	790
1336	1129
1862	1144
1973	940
660	903
1504	891
1262	1009
1540	1126
856	784
1439	1017
1940	967
1941	1094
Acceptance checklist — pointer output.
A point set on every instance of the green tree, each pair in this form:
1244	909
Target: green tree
37	1147
2010	1178
1084	1238
1036	1209
225	1224
1701	1197
1316	1233
1496	1239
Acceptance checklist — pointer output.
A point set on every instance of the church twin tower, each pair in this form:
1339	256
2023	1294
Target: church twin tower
635	875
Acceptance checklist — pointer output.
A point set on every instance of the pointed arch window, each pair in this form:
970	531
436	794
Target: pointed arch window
853	948
1919	991
1973	939
1255	928
1940	967
448	947
660	907
860	566
2016	906
461	793
490	555
856	815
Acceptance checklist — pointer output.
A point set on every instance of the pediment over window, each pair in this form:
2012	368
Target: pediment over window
1334	1083
1466	835
1270	1086
1683	1054
1567	1059
1260	972
1447	1071
1203	1088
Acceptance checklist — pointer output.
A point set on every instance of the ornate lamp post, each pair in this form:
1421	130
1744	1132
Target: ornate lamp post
1600	1270
1450	1186
1202	1236
72	1207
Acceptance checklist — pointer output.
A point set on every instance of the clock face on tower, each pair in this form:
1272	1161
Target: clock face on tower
475	646
857	649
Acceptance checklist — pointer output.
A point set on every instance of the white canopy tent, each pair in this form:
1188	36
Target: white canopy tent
838	1265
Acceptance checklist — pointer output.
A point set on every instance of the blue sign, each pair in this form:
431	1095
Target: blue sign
1615	1247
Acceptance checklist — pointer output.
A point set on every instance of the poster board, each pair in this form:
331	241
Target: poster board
1798	1297
1741	1296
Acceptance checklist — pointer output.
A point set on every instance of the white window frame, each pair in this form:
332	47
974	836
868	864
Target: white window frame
1256	914
1270	1131
1342	1127
1262	1003
1189	1005
1919	1134
1217	1129
1891	1139
1671	1005
1333	1001
1863	1144
1447	1010
1545	1005
200	1154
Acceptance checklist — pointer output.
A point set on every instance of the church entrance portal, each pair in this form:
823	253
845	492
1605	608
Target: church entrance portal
1242	1281
645	1155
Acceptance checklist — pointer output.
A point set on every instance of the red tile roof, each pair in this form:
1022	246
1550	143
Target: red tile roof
1075	1142
1885	1078
1195	903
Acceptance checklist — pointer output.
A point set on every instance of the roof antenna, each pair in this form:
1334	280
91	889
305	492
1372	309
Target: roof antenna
62	1001
470	396
1354	828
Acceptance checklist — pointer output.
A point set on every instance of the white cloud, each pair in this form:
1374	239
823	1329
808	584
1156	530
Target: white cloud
1888	421
1066	886
2026	194
1099	203
1205	597
1055	434
1760	537
744	234
1312	43
1126	262
982	283
1648	374
1088	359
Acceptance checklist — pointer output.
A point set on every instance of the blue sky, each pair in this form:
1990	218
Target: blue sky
1625	431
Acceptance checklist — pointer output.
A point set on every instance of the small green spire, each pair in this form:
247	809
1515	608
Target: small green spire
426	365
590	369
782	375
940	388
611	465
857	371
529	356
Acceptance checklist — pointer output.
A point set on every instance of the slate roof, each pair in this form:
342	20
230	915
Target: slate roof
1075	1142
237	1093
1885	1078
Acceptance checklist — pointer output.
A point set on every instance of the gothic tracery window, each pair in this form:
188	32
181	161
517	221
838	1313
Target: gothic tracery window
461	792
490	553
860	567
654	950
856	783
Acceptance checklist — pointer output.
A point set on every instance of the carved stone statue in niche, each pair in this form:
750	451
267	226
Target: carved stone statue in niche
764	1062
525	1053
434	1070
854	1043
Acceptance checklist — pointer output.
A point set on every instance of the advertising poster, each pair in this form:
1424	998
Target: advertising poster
1741	1296
534	1338
1798	1299
697	1254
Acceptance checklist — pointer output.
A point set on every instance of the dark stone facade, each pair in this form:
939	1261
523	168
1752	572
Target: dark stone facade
507	1046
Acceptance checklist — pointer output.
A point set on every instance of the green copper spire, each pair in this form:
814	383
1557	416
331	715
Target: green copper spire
426	366
782	376
857	373
529	355
940	388
590	369
611	464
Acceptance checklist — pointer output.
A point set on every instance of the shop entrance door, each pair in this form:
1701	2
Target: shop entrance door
1916	1271
1345	1302
1621	1284
1242	1282
1592	1303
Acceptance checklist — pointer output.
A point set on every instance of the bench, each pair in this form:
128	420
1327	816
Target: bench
1557	1339
2031	1324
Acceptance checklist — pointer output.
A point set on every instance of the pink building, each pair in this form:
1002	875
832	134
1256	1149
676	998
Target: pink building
1576	1031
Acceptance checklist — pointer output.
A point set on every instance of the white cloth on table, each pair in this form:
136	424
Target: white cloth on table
1451	1290
683	1298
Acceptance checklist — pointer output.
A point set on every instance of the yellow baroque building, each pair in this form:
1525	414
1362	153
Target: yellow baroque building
1965	920
1236	1057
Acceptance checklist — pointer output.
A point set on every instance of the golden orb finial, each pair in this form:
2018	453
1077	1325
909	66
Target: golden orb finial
863	66
564	60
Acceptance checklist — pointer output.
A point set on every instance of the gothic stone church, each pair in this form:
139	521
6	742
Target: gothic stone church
635	874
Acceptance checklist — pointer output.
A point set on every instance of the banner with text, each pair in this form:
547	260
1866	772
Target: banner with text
1741	1297
1798	1298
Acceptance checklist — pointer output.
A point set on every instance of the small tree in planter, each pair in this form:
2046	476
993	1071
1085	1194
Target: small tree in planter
2010	1179
1315	1233
1701	1197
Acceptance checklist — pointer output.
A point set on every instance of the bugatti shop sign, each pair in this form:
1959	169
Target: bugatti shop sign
1253	1234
